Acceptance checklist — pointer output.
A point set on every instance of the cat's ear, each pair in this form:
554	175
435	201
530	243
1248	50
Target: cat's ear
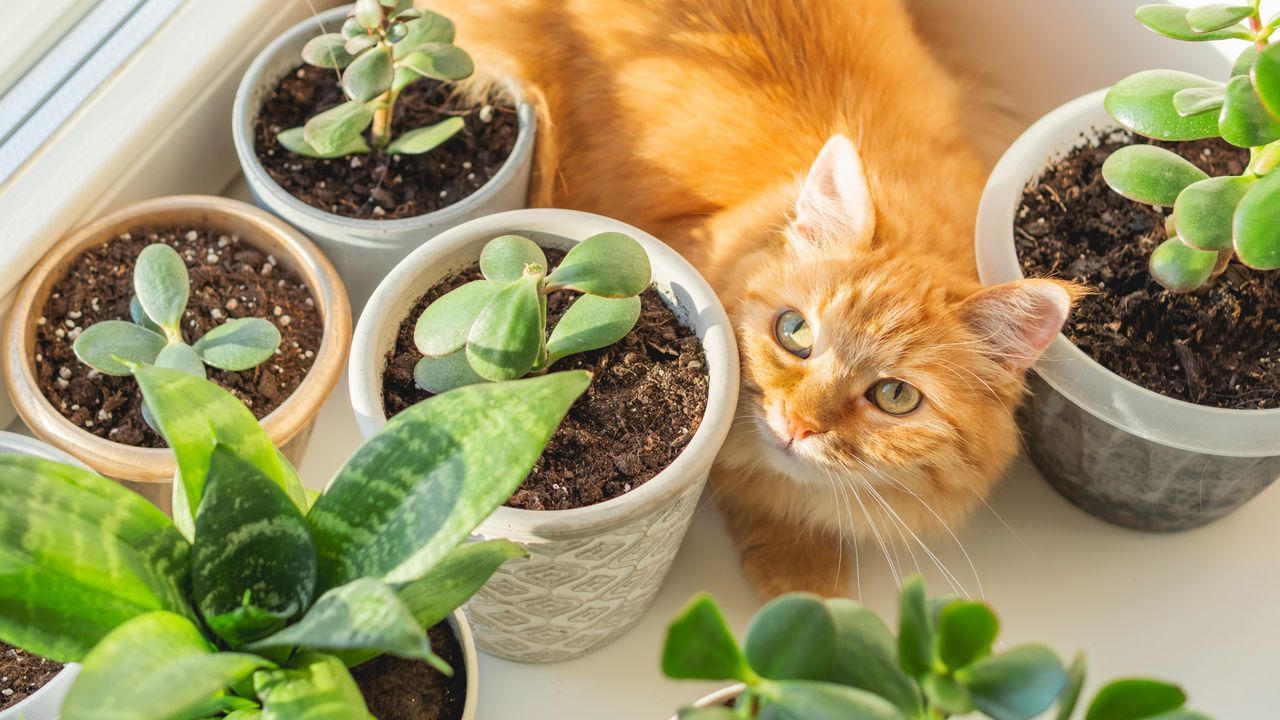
835	201
1017	320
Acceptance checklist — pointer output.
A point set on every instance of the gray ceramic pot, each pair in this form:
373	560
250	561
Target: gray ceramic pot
362	250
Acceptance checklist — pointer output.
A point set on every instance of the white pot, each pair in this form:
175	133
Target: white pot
362	250
1124	453
45	703
462	629
593	570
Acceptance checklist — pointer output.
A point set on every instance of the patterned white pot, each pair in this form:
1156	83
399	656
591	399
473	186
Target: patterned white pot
594	570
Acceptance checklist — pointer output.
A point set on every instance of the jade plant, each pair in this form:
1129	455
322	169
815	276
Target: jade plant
383	47
255	608
1214	218
806	658
496	328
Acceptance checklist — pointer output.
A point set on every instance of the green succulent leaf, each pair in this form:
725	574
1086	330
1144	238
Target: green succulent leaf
1143	103
867	657
404	78
434	596
504	258
162	286
425	139
609	265
178	355
915	632
239	344
1244	61
1070	696
1204	210
1217	16
1180	268
443	327
368	13
1257	225
139	316
506	338
358	44
369	75
327	51
80	555
711	713
252	547
352	27
1266	78
592	322
1193	101
419	486
700	646
442	374
1244	122
947	694
1135	699
1149	174
441	61
966	632
295	141
1015	685
215	707
792	638
335	129
405	16
1171	21
428	29
823	701
104	341
314	685
153	667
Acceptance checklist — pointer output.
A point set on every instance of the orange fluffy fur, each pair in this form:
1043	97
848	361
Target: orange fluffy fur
695	120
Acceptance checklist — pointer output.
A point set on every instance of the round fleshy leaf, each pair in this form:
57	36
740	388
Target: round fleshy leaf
396	32
505	340
1135	699
1257	225
139	316
1244	122
505	257
1266	78
294	140
825	701
369	75
358	44
425	139
1149	174
915	630
443	327
327	51
592	322
1204	210
792	638
334	130
405	16
609	265
368	13
1171	21
1207	18
1181	268
1143	103
700	645
238	344
441	61
102	342
947	694
1015	685
1245	60
179	356
442	374
352	27
430	28
966	632
1197	100
161	283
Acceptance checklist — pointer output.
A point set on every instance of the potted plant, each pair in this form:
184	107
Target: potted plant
805	657
269	598
350	127
251	278
607	506
1157	409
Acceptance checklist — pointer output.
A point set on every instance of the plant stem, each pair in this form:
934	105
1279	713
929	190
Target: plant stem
382	119
1255	24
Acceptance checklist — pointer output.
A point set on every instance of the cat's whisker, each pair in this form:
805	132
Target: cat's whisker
875	530
952	580
1006	525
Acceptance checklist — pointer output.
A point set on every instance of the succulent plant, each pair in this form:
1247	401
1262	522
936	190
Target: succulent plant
254	608
806	658
383	47
1214	218
496	328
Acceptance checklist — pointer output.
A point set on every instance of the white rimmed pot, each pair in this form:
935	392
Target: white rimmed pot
467	640
1121	452
363	250
44	704
593	570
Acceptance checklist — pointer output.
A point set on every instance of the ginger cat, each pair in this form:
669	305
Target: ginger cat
879	377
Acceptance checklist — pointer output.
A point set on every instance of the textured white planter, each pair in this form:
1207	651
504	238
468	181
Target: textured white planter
46	702
593	570
1123	453
462	629
362	250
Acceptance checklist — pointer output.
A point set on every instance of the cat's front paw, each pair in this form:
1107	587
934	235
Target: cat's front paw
814	566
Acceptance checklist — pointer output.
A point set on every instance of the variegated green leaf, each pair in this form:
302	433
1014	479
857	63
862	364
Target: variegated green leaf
506	256
441	61
104	341
313	687
326	51
335	129
238	344
254	714
419	486
506	338
426	139
430	28
215	706
369	75
162	286
434	596
79	555
368	13
178	355
592	322
156	666
609	265
442	374
294	140
442	328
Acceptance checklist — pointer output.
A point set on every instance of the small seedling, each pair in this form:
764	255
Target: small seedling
1214	218
496	328
384	46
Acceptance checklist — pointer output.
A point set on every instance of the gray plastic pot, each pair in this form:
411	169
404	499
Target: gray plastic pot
363	251
1121	452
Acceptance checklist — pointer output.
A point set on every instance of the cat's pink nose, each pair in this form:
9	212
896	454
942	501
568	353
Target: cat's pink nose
799	429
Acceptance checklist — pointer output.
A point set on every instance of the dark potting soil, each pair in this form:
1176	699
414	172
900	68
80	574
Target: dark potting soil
646	400
1218	346
380	186
230	278
21	674
398	689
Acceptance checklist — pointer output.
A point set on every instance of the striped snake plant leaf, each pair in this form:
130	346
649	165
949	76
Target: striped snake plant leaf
156	666
253	564
314	685
434	596
79	555
419	486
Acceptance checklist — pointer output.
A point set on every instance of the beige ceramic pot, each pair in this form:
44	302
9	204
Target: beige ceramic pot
150	471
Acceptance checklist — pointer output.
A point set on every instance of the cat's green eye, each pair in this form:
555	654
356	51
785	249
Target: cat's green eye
793	333
894	396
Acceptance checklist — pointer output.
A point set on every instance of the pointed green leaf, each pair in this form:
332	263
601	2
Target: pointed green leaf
1181	268
915	632
792	638
441	61
1143	103
434	596
443	327
335	129
1204	210
368	76
1070	696
609	265
966	632
153	667
368	13
1257	225
430	28
700	646
294	140
1015	685
239	344
440	375
425	139
178	355
327	51
822	701
1244	122
506	337
1135	699
1266	78
79	555
592	322
1171	21
1196	100
1149	174
419	486
1207	18
104	341
867	657
161	283
313	687
505	257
